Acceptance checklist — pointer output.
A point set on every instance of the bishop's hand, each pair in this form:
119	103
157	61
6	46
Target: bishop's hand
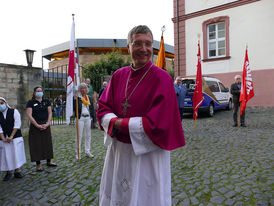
118	123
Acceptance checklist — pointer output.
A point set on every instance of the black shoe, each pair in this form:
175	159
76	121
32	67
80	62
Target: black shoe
18	175
51	164
7	177
243	125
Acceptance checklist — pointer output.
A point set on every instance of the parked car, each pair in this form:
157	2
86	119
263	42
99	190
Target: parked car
216	95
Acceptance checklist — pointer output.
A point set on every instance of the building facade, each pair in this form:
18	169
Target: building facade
90	50
225	28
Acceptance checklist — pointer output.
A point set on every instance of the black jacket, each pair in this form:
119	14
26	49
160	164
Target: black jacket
91	108
8	124
235	91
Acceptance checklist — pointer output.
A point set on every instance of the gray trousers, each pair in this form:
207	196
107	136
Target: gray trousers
235	114
181	112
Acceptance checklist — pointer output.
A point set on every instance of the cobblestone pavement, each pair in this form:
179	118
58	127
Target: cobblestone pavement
220	165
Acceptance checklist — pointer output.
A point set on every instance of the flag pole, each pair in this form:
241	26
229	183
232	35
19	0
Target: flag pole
195	121
239	116
240	104
77	115
163	29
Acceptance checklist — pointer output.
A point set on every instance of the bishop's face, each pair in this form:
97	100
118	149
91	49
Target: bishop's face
140	49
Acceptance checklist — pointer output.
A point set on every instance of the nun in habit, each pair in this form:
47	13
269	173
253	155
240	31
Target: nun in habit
12	152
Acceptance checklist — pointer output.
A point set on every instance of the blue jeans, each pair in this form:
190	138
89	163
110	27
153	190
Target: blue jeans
58	111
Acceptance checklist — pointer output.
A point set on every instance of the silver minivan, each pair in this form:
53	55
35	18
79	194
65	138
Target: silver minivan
216	95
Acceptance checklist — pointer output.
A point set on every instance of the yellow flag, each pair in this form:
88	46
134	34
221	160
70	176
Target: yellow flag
161	60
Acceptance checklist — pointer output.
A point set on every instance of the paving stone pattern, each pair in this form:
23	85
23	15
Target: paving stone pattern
220	165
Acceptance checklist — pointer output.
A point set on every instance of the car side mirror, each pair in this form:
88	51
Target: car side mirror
226	89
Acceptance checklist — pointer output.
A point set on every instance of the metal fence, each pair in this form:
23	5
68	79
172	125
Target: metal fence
59	115
54	84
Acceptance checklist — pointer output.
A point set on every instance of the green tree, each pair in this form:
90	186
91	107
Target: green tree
106	65
171	72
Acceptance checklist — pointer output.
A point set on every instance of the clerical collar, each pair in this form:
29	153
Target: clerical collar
132	67
140	68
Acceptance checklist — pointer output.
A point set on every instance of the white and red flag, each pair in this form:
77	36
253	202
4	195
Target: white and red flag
70	80
198	96
247	89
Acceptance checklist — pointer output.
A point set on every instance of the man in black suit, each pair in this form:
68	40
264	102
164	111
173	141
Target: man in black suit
235	90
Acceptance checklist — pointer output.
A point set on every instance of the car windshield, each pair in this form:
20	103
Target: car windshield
189	84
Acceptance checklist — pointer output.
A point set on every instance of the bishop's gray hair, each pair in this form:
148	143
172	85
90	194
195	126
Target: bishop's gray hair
141	29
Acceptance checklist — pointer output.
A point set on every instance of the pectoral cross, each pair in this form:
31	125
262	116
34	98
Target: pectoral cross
125	105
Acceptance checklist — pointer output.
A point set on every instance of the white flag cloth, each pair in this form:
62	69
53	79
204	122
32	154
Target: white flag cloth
70	80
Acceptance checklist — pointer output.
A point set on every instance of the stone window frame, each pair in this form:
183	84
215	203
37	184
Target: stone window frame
205	37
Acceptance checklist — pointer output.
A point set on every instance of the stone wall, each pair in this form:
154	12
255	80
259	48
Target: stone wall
16	86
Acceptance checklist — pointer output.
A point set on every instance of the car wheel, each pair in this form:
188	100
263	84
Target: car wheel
229	107
210	110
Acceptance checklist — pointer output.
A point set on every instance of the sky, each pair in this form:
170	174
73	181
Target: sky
34	24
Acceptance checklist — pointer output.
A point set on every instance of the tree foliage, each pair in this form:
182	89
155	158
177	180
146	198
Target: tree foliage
171	72
106	65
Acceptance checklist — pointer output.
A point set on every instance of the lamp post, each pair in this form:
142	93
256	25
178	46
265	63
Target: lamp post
29	55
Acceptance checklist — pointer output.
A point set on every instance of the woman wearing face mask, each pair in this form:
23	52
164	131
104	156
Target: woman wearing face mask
40	143
12	152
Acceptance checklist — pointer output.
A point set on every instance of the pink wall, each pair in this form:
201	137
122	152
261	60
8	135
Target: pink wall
263	82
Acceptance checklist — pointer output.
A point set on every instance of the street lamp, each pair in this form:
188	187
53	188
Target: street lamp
29	55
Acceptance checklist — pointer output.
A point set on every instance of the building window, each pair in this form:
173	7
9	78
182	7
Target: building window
216	38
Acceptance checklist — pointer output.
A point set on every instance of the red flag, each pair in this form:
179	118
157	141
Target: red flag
161	60
70	80
247	89
198	96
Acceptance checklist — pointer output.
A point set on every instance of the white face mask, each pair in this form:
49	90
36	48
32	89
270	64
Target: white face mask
39	94
3	107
